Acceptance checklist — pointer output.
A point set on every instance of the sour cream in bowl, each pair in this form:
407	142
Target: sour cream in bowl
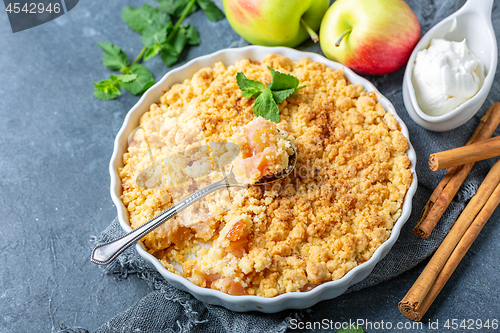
445	76
453	89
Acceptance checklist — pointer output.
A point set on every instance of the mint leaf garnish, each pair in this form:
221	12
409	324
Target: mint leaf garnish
106	90
176	7
153	36
180	40
213	12
152	51
110	89
162	33
171	51
282	81
143	81
169	55
192	35
281	95
249	88
104	95
266	107
113	56
124	78
144	17
267	98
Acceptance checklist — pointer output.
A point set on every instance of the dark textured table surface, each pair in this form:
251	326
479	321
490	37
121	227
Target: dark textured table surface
56	140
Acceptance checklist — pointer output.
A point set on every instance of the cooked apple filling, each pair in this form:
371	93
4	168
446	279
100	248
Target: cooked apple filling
325	218
264	151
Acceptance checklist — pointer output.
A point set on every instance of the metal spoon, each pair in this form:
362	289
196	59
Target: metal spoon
105	253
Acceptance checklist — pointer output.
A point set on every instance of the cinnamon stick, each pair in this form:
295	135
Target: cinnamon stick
467	154
451	251
448	187
426	230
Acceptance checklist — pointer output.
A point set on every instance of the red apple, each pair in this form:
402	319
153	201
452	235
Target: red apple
373	37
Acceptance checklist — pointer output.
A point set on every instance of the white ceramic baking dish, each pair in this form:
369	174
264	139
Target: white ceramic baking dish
300	300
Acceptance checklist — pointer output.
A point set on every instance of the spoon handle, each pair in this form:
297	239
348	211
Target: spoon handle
105	253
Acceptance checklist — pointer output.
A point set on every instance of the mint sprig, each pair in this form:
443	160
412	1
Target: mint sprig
110	89
213	13
268	97
135	78
144	80
141	18
113	57
162	33
177	7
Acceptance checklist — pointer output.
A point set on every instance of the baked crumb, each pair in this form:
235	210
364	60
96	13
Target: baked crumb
328	216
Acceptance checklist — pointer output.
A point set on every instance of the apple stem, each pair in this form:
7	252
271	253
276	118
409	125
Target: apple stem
310	31
342	37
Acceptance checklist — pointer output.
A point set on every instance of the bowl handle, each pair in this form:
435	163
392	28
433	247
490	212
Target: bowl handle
481	7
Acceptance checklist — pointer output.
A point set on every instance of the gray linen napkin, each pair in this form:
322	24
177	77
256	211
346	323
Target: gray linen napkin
167	309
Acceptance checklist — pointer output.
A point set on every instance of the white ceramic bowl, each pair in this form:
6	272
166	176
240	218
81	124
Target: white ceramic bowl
302	300
472	22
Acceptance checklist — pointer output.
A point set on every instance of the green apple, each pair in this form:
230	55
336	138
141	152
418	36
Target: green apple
373	37
275	22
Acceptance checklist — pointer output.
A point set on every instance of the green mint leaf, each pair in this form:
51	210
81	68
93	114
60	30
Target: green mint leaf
113	56
108	86
124	78
106	90
192	35
151	52
281	95
143	81
169	55
282	81
104	96
143	17
163	19
175	7
213	12
352	329
266	107
268	98
249	88
153	36
180	40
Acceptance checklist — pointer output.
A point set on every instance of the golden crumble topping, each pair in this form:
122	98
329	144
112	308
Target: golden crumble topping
329	215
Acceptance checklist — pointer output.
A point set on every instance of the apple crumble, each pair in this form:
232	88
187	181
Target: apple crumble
264	151
329	215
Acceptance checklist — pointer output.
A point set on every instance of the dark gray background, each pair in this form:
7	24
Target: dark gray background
56	140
